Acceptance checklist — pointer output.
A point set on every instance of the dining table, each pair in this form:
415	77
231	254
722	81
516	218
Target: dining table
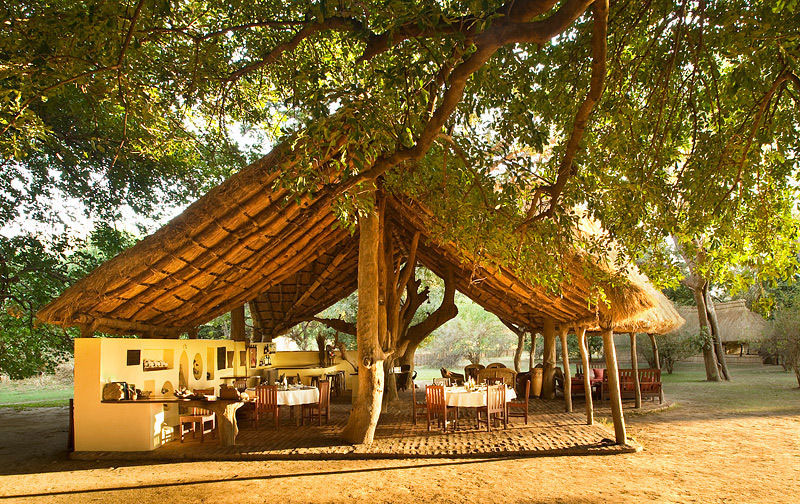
460	397
293	397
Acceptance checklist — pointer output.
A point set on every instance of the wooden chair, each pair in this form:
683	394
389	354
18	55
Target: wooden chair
518	408
495	380
323	407
266	404
495	408
495	365
442	382
455	378
436	406
240	384
471	371
650	383
418	408
201	417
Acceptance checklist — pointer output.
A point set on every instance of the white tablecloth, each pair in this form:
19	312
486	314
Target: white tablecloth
294	397
459	397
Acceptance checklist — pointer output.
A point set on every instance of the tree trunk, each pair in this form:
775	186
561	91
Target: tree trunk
587	384
366	410
518	352
407	359
637	387
613	385
390	390
549	360
532	354
711	313
710	360
658	361
562	334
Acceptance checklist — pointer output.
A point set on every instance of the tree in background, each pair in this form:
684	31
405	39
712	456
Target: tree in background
672	347
475	335
31	273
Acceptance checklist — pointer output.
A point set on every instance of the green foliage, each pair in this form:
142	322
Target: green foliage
474	335
783	341
31	274
672	347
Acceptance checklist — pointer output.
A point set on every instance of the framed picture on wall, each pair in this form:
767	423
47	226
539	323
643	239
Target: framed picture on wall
253	356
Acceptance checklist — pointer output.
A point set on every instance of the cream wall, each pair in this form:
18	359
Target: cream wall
145	426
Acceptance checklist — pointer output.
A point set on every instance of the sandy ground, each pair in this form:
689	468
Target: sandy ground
693	453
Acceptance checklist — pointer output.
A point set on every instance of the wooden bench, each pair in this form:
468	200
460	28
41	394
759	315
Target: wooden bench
649	384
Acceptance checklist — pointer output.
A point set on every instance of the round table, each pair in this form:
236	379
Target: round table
459	397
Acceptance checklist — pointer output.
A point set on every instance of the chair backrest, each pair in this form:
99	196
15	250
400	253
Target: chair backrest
240	384
650	375
599	373
266	397
443	382
527	395
204	391
434	398
494	380
471	370
496	398
495	365
509	375
405	368
324	394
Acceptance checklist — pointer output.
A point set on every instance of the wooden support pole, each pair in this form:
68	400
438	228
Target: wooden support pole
532	353
612	371
191	333
563	329
237	324
658	361
587	370
549	359
637	387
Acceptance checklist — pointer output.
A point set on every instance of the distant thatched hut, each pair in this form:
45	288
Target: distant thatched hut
739	327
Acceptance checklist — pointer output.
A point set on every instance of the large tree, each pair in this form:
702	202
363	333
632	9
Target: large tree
482	109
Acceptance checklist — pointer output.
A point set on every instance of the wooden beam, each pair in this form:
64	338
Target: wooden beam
580	331
549	359
237	324
322	278
612	370
637	387
563	329
192	333
658	361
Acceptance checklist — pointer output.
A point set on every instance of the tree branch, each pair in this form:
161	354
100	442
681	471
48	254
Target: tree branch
566	168
337	325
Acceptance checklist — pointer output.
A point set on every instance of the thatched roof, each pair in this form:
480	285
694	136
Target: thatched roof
736	322
247	241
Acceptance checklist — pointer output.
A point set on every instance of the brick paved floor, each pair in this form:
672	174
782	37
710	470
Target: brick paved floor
550	431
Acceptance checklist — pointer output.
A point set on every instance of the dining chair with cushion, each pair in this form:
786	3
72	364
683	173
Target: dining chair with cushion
267	404
320	408
471	371
436	406
519	408
443	382
495	408
199	416
240	384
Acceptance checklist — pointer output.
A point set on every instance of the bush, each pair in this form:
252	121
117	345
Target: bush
783	341
672	347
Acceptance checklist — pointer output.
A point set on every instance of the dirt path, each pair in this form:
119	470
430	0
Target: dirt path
693	453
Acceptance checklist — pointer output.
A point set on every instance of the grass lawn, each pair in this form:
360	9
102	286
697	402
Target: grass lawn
753	389
39	391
